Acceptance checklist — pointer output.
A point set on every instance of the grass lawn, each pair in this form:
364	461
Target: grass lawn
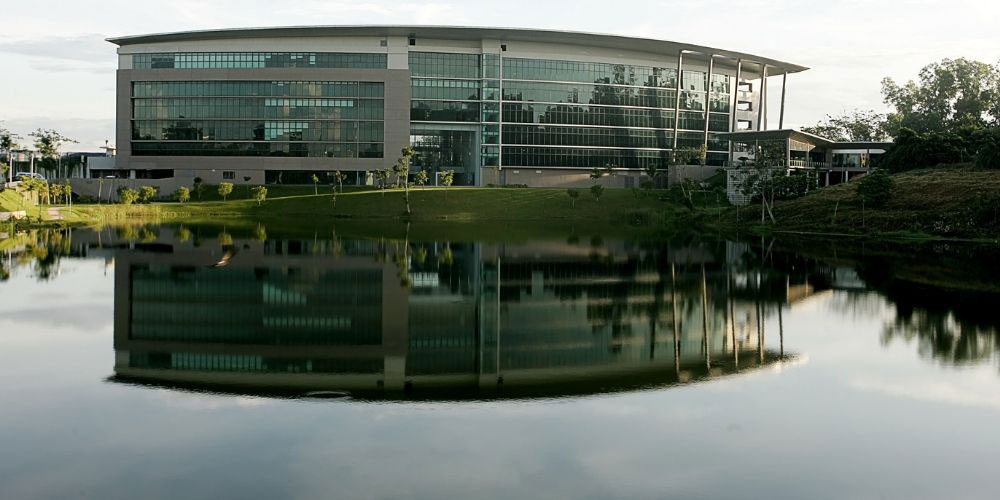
453	204
943	201
10	201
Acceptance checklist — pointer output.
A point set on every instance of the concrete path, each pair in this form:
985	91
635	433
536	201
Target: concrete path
53	214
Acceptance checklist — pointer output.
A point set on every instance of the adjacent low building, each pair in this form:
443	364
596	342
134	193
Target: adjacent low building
496	106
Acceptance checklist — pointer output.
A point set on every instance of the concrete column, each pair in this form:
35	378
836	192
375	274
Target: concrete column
781	116
708	96
760	97
677	98
734	91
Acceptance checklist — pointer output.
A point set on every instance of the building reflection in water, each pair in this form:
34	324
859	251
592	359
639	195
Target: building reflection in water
379	318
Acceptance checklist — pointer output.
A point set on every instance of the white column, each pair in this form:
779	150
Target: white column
781	116
761	94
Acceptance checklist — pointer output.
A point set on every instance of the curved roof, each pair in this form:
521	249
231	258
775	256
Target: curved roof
649	45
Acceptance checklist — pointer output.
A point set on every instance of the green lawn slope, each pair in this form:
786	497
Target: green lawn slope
10	201
956	201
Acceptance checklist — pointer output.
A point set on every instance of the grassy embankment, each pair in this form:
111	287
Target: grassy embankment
491	209
943	202
11	201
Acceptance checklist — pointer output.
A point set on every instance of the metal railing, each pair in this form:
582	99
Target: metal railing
815	165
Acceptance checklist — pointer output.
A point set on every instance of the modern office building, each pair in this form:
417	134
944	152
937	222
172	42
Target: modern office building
497	106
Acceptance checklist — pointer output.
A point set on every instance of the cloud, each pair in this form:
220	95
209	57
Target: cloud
87	48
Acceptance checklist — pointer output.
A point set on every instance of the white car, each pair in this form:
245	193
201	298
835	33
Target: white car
33	175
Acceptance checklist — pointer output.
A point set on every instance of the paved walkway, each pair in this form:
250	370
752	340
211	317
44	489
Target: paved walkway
54	214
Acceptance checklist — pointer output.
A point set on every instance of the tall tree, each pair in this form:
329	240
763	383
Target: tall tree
47	143
857	125
947	95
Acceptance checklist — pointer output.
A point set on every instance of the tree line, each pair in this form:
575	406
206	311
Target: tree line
949	114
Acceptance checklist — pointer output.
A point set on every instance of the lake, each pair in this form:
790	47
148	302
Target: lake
200	362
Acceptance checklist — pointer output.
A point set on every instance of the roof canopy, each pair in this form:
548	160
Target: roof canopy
648	45
798	135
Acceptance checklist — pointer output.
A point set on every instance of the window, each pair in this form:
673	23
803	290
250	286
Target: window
258	118
745	87
226	60
228	175
744	106
743	125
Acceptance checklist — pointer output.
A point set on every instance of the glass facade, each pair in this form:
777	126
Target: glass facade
341	119
566	113
251	60
445	113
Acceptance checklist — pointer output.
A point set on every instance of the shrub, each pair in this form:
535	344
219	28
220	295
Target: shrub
984	211
875	189
988	155
597	191
182	194
127	196
915	150
147	193
225	189
259	194
789	187
573	194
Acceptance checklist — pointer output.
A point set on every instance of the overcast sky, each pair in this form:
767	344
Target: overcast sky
56	70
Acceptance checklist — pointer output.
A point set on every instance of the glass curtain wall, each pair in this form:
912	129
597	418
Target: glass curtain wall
446	94
343	119
568	114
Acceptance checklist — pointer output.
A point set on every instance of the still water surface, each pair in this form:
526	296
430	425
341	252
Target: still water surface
192	363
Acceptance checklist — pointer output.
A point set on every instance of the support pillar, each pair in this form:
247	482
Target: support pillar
708	96
781	116
677	98
735	91
761	92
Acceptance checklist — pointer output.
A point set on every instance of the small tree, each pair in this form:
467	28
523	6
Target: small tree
55	191
573	195
47	143
182	194
147	193
421	177
596	191
225	189
198	187
43	192
381	177
315	180
875	189
338	177
651	171
447	177
127	196
68	193
259	194
402	171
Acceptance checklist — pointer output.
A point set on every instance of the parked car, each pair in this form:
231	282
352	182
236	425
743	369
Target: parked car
33	175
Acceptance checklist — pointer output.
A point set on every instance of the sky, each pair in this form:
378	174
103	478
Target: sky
56	70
